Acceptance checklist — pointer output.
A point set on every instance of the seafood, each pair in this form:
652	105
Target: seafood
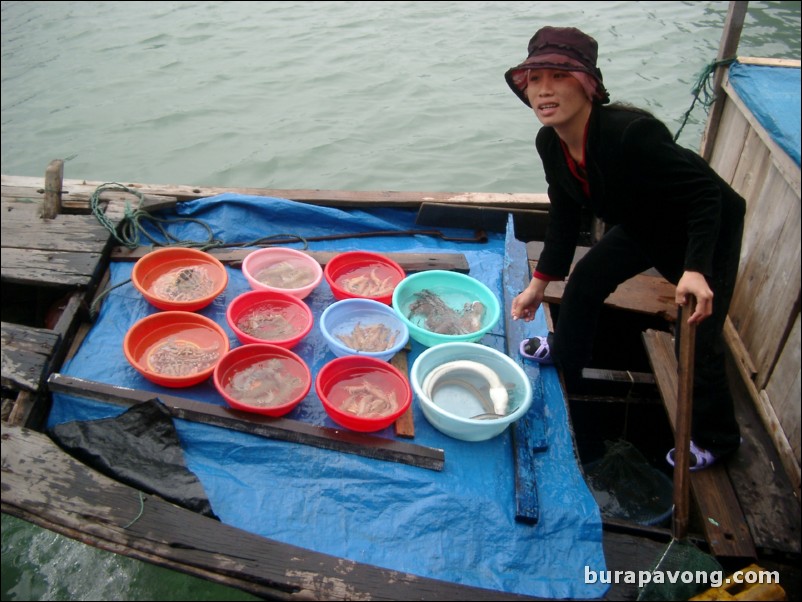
264	324
183	284
264	384
369	401
499	397
285	274
373	337
367	283
178	357
442	318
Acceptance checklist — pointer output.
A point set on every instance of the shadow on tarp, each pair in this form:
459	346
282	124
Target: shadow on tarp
456	525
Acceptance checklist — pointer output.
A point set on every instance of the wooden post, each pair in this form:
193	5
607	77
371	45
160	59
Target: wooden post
682	437
733	26
54	180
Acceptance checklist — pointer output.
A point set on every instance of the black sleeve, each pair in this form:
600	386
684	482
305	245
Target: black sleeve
563	230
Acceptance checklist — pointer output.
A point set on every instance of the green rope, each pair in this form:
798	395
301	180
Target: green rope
141	511
132	227
132	230
703	87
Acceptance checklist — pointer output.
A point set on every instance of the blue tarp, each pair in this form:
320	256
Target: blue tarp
456	525
772	94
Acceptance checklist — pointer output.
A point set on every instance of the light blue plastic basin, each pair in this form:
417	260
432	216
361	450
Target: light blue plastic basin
452	410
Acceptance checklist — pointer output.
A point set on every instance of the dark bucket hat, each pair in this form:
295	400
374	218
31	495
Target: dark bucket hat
565	48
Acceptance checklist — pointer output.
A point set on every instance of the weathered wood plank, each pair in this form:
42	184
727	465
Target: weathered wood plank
767	495
528	433
59	493
730	143
766	298
643	294
411	262
26	355
781	159
405	424
723	521
79	191
762	405
754	166
22	229
49	268
784	390
282	429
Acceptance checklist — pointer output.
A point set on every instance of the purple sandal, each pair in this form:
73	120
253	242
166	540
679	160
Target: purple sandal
699	458
540	354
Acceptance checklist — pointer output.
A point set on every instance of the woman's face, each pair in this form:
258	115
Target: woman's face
557	97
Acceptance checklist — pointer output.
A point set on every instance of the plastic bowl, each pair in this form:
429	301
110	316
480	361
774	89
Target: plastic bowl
175	348
282	270
363	393
461	307
363	275
269	317
179	278
454	404
363	327
262	378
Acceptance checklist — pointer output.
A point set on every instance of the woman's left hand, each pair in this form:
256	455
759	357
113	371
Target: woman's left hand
694	283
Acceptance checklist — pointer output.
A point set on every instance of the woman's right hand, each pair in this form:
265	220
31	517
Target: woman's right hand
525	305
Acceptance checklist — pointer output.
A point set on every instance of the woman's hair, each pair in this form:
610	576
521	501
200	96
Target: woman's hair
625	106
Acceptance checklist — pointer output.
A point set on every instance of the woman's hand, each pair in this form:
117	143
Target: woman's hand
525	305
694	283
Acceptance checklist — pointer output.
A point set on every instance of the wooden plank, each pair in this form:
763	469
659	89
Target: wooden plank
411	262
784	390
769	62
761	402
282	429
77	192
49	268
22	228
754	166
61	494
54	175
528	433
722	521
405	425
26	355
731	140
766	298
647	293
787	166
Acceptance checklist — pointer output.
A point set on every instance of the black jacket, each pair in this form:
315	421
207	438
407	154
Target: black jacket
667	197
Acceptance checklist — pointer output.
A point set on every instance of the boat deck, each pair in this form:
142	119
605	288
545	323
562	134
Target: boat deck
52	270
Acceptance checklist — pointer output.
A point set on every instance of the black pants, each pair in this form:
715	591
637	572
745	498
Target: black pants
619	256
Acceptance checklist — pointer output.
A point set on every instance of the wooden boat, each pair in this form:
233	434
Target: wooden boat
746	511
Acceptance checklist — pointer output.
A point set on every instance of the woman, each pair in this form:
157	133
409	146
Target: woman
664	208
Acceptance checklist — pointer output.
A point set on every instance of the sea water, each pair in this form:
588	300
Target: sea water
330	95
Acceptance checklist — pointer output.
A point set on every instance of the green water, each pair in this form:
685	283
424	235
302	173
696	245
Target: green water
331	95
41	565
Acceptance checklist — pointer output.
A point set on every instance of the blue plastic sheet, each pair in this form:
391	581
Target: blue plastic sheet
772	94
456	525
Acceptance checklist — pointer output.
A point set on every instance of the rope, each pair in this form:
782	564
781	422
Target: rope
132	228
141	511
704	87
